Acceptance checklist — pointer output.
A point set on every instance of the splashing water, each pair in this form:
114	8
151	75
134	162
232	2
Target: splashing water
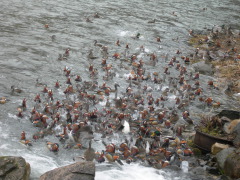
126	128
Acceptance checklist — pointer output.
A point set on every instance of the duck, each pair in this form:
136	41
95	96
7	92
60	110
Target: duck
54	147
3	100
96	15
88	20
17	90
100	157
89	154
90	55
97	44
152	21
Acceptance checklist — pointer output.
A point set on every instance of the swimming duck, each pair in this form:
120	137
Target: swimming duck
3	100
20	112
54	147
17	90
152	21
100	157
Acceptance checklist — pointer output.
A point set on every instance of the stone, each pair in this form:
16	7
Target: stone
229	114
224	177
222	156
213	170
232	165
199	171
237	128
203	68
236	141
172	168
229	128
76	171
14	168
217	147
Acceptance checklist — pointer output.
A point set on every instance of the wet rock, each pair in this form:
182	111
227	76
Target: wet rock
213	170
199	171
222	156
224	177
14	168
237	128
76	171
217	147
193	162
172	168
232	165
202	162
203	68
229	127
236	141
229	114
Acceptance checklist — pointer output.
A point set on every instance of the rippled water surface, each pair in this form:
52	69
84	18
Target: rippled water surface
28	52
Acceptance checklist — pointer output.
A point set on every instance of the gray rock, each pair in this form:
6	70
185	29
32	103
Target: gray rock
222	156
237	129
14	168
229	114
76	171
224	177
232	165
236	141
203	68
172	168
198	171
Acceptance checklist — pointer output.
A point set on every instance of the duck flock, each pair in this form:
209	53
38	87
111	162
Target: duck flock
148	106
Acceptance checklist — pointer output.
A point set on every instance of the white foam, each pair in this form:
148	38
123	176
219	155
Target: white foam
103	103
40	164
130	172
123	33
164	87
127	75
4	147
12	116
147	50
126	128
172	97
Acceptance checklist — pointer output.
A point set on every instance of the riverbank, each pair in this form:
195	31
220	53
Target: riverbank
220	47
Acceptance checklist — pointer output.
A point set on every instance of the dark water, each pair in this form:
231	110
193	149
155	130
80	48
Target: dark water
28	51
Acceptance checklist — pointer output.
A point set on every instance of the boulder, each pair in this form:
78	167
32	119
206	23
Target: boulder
236	141
14	168
229	114
203	68
224	177
230	127
217	147
232	165
237	128
76	171
222	156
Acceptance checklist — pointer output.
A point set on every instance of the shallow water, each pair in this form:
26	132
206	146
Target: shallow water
28	53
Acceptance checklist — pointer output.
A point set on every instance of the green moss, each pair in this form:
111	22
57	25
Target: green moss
197	152
190	143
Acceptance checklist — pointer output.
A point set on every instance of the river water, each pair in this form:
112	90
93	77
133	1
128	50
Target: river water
28	52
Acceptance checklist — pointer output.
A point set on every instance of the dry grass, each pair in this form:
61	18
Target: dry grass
195	40
227	69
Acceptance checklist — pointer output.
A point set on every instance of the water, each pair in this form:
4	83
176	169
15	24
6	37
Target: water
29	53
184	166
